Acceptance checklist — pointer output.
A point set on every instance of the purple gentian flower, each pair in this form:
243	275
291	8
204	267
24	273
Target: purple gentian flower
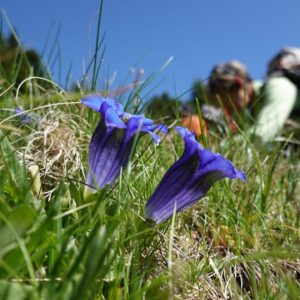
188	179
113	139
25	118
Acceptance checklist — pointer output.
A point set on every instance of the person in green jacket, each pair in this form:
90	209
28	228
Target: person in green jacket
272	101
281	94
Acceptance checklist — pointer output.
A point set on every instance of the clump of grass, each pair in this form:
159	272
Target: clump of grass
241	240
53	147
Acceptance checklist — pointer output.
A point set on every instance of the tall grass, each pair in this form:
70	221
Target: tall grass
241	241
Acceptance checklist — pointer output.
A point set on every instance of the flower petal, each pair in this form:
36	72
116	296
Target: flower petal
188	179
26	119
139	124
160	206
95	102
110	116
106	156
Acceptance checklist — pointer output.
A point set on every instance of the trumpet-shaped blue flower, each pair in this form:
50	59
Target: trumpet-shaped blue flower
188	179
112	141
25	118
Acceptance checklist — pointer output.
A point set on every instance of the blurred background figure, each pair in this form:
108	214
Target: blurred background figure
226	99
229	93
271	103
231	83
281	94
232	99
230	88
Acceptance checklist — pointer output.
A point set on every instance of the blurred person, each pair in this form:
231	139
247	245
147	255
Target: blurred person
230	91
231	87
281	94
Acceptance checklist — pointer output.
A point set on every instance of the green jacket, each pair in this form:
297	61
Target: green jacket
277	99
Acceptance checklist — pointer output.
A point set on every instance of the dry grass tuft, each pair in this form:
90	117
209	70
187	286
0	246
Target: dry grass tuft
54	146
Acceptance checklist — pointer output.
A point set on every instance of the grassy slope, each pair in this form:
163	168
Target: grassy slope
241	240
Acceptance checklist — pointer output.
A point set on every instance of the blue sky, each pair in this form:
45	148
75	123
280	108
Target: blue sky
145	34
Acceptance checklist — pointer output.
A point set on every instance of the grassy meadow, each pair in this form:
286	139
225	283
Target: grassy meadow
241	241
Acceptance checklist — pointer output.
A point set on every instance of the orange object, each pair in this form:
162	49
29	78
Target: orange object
193	124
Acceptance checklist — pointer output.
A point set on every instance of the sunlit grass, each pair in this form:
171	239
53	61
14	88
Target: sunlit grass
241	240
